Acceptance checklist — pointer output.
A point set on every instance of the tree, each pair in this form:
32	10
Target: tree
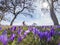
52	10
34	24
52	13
2	17
2	11
12	6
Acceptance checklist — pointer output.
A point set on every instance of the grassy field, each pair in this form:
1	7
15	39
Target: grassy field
30	39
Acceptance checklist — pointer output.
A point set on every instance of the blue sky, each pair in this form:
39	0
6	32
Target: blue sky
38	17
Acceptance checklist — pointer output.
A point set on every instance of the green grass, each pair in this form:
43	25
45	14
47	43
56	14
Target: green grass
30	39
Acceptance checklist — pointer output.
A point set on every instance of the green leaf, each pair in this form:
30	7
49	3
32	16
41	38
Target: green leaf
14	42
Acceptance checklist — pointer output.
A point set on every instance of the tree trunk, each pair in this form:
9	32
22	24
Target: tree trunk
52	13
15	15
13	20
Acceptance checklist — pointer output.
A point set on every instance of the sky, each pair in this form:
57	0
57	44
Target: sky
39	17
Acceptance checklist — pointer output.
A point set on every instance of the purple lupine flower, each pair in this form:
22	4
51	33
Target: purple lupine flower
4	38
48	39
0	28
26	32
4	32
35	31
58	43
12	37
13	28
20	38
52	32
30	28
44	35
41	35
47	35
19	31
